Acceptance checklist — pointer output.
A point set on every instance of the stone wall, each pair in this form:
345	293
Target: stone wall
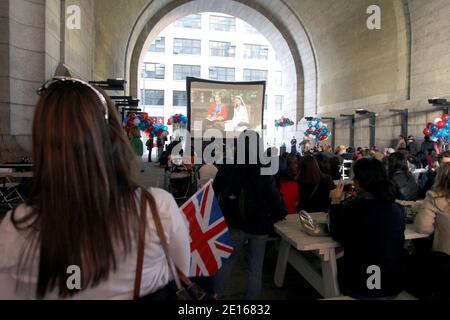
347	66
23	45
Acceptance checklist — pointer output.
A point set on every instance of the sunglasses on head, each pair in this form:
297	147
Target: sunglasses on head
56	80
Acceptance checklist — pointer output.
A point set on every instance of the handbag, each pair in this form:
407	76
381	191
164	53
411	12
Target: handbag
312	227
184	288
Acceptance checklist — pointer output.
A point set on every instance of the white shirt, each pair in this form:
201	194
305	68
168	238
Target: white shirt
120	284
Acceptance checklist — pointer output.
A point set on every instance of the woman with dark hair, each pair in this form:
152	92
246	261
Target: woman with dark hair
84	211
314	186
399	174
251	204
371	227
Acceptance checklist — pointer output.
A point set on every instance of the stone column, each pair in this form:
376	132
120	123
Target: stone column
22	71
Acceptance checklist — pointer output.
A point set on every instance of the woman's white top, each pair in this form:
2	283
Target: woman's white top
120	284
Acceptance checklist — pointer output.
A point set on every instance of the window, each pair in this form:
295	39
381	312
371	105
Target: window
265	101
193	21
255	51
222	49
255	75
187	46
158	45
181	71
218	23
154	71
221	74
179	99
279	101
152	97
279	78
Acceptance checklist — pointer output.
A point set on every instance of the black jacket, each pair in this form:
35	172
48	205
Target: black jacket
373	234
406	186
264	205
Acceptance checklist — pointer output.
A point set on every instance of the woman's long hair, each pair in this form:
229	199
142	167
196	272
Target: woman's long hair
309	171
442	183
372	177
83	201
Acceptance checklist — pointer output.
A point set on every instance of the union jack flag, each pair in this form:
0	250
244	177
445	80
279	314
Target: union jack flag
210	237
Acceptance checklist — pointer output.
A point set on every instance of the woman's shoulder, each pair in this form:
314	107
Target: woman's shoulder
12	238
437	199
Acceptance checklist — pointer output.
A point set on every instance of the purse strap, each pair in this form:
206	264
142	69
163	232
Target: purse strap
177	274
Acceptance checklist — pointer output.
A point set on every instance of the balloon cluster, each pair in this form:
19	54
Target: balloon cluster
159	129
178	119
284	122
439	130
141	121
317	130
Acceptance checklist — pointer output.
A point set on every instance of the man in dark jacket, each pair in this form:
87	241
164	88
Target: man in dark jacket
427	146
251	204
412	146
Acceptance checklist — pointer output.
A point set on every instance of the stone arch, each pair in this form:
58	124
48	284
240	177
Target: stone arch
274	19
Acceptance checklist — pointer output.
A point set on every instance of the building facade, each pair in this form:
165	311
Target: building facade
210	46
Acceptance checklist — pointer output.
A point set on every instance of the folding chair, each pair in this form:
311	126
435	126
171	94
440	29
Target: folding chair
346	169
9	194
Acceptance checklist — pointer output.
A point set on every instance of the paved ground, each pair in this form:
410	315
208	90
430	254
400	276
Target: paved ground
296	288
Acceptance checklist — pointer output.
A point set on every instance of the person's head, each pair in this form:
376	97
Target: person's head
411	139
324	163
427	138
397	162
340	150
369	175
442	182
444	157
292	162
309	171
217	99
82	201
238	101
350	150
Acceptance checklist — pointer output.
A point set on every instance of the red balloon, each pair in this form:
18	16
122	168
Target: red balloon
445	117
429	124
426	132
440	124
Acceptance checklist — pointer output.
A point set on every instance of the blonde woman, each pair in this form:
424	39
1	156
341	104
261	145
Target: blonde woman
434	218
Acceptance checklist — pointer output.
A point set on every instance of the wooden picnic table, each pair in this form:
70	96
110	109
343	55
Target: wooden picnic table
294	241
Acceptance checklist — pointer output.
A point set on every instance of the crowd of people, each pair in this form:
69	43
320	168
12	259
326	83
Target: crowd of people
86	210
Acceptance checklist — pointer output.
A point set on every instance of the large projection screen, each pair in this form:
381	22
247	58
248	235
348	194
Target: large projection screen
230	107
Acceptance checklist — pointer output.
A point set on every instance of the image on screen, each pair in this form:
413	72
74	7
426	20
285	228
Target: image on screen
228	107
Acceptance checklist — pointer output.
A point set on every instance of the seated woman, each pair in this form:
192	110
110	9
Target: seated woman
371	228
403	180
83	210
314	187
435	218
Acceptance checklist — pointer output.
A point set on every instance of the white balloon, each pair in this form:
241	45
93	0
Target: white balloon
437	120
